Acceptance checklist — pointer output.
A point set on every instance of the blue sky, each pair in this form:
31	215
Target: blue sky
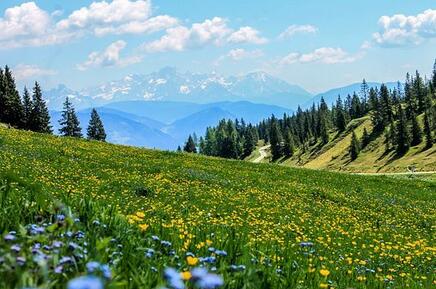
316	44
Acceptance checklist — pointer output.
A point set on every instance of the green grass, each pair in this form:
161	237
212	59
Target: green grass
364	231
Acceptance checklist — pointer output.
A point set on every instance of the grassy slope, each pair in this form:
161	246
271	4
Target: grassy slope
334	155
259	211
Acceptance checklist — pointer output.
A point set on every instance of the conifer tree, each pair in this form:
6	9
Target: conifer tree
27	109
402	140
179	149
427	130
340	116
190	145
95	129
10	102
354	147
416	132
276	140
434	75
39	119
289	148
70	125
365	138
249	142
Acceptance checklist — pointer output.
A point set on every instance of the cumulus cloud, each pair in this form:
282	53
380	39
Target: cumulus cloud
240	53
297	29
213	31
109	57
247	35
326	55
29	25
399	30
25	71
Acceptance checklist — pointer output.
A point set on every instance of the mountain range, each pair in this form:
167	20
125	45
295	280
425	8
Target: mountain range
160	109
168	84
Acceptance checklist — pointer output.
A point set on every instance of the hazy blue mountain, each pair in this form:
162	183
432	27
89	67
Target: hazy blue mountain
168	112
331	96
197	123
168	84
123	129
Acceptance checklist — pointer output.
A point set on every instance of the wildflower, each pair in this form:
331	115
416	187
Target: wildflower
58	269
155	238
106	271
143	227
140	215
21	261
210	259
205	280
323	285
324	272
221	253
149	253
16	248
173	278
92	266
86	282
186	275
166	243
60	217
192	261
10	237
306	244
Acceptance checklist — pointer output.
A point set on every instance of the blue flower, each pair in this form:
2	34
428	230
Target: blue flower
86	282
10	237
21	261
92	266
209	260
306	244
166	243
173	278
106	271
65	260
16	248
155	238
149	253
60	217
221	253
205	280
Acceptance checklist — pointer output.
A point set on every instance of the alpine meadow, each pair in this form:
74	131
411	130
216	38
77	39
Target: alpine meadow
217	144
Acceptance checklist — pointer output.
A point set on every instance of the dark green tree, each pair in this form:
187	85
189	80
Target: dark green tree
276	140
27	109
95	129
341	122
289	145
427	130
402	140
70	125
416	131
354	147
11	108
39	119
365	138
190	145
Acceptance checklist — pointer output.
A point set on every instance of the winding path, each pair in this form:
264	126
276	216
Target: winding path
263	154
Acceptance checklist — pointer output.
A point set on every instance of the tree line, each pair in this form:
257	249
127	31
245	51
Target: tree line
30	112
405	115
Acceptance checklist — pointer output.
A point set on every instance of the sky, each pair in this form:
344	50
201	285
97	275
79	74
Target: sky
316	44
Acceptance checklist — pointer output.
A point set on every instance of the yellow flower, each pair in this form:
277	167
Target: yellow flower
192	261
209	242
140	215
323	285
143	227
324	272
186	275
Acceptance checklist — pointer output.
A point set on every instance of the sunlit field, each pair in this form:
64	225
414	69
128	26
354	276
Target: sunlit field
70	207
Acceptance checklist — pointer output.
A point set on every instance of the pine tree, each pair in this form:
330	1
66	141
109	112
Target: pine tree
249	142
427	130
10	102
416	132
70	125
179	149
434	75
402	140
323	130
39	119
365	138
95	129
276	140
354	147
190	145
340	116
27	108
289	148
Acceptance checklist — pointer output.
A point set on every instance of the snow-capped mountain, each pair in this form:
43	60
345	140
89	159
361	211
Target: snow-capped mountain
168	84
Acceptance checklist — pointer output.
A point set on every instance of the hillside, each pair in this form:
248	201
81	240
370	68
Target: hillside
141	211
372	159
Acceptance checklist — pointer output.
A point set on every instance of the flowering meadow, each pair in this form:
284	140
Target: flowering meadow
77	214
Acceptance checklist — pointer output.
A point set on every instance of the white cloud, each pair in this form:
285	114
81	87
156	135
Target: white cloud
109	57
25	71
401	30
240	53
29	25
247	35
326	55
213	31
295	29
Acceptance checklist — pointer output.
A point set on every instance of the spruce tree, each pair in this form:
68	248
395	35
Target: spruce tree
416	131
70	125
190	145
340	116
275	140
10	101
402	140
27	108
365	138
434	75
95	129
427	130
354	147
289	148
39	118
249	142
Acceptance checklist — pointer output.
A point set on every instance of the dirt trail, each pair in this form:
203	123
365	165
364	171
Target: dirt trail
263	154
